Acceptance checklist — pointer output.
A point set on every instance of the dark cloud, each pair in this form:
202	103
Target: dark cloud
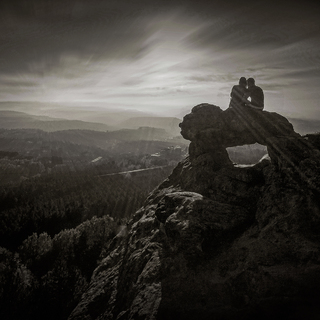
107	47
265	30
38	30
42	31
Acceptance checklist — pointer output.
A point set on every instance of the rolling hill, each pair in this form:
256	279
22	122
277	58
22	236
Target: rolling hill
170	124
21	120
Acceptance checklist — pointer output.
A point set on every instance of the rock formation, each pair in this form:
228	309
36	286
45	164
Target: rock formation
218	241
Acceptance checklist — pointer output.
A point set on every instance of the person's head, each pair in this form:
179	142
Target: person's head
243	81
250	82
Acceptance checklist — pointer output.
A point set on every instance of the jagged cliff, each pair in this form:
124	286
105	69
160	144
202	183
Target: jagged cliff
218	241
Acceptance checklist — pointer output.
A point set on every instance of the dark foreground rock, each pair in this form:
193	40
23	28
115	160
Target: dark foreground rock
216	241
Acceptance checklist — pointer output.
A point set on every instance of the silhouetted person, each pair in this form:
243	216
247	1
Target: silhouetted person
256	95
239	93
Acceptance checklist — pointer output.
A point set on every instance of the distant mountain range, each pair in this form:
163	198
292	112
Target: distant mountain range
21	120
88	113
169	124
112	121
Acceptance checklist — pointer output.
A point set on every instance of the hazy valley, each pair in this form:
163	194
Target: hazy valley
67	187
58	180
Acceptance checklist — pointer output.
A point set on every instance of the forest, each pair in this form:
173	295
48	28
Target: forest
62	202
63	199
54	230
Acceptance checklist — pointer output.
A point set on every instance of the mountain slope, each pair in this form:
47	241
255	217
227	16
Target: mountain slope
216	241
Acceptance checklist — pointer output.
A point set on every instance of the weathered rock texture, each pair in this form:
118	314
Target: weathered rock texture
216	241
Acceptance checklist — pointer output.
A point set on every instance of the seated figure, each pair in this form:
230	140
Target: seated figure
239	93
255	94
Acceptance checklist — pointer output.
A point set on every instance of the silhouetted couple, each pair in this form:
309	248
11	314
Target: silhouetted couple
247	94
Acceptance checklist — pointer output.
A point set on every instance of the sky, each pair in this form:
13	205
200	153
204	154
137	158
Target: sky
161	57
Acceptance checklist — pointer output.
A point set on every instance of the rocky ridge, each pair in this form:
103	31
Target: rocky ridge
219	241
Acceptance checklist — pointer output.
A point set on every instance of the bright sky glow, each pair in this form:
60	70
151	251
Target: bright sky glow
161	61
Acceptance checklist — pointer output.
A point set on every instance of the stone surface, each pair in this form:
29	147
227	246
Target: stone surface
233	127
216	241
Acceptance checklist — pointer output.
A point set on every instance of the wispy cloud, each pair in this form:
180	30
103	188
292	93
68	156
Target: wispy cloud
157	54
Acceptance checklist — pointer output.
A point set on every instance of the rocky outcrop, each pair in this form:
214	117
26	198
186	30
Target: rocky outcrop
217	241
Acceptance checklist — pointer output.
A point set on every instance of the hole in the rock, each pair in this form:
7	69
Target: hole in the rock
247	154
